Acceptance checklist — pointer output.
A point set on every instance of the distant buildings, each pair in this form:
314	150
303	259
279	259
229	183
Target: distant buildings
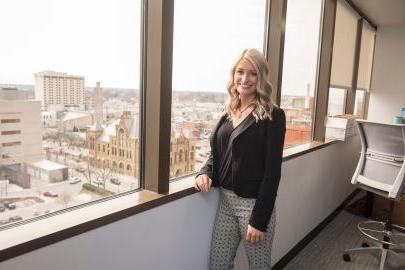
298	111
116	146
182	155
57	90
74	121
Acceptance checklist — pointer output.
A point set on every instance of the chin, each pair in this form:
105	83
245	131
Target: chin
246	93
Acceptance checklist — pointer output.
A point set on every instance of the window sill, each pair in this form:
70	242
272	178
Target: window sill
44	231
306	148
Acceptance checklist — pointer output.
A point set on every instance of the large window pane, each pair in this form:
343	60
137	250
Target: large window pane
299	68
69	103
208	36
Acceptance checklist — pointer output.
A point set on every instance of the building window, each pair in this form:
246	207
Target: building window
11	132
10	144
299	68
7	121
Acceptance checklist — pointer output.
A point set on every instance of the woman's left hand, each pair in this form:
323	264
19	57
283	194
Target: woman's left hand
254	235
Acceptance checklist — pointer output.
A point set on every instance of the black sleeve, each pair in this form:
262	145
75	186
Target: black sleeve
275	133
207	168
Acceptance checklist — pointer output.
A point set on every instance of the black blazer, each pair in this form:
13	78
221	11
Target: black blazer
257	153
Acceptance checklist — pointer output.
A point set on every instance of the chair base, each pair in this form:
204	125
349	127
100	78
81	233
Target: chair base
383	247
379	250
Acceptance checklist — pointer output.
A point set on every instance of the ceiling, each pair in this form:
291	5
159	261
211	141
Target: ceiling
383	12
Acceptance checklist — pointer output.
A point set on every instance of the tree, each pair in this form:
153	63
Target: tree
87	172
103	174
65	198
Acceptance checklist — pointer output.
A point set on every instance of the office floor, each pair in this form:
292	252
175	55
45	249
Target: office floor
325	251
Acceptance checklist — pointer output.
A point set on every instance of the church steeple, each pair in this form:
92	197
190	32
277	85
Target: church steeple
98	106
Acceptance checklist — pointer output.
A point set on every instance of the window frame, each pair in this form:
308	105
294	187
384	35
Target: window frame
155	107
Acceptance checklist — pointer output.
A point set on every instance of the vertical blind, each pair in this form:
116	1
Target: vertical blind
344	46
366	57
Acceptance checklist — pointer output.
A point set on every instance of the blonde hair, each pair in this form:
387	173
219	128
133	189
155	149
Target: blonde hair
263	103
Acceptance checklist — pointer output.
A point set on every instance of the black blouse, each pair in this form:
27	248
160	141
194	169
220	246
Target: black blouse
224	151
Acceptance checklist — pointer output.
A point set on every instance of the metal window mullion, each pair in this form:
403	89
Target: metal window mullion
274	43
157	90
324	69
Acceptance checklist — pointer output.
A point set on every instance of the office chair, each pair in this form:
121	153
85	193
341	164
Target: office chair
381	170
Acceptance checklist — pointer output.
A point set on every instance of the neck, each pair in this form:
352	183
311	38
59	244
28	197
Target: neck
245	101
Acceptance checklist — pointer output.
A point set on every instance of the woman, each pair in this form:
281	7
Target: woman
245	163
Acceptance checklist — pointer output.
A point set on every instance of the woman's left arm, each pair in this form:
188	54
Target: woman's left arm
266	197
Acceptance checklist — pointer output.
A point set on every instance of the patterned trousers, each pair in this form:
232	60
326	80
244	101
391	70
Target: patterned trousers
231	227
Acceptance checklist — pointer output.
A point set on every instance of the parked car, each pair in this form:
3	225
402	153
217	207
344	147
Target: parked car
10	205
115	181
81	169
50	194
4	221
74	180
15	218
2	208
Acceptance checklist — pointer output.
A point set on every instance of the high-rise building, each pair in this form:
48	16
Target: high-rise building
20	130
59	90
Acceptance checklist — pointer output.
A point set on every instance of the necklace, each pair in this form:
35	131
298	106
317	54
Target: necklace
241	111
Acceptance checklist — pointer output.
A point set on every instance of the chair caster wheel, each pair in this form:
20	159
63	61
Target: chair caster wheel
346	257
364	245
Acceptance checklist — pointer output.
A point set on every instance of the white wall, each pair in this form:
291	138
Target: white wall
177	235
388	78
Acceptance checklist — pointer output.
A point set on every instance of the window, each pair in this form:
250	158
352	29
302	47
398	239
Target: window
7	144
199	82
299	68
359	103
12	132
7	121
89	99
337	101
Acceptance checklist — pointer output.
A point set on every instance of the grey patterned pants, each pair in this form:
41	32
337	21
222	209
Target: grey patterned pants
231	227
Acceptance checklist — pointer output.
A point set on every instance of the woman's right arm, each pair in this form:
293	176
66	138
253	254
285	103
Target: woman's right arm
203	181
207	168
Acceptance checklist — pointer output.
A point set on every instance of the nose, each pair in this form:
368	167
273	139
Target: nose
245	78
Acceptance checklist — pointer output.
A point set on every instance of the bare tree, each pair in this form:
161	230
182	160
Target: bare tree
87	173
103	174
66	198
48	154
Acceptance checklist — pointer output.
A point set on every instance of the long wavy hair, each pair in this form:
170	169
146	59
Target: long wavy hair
263	102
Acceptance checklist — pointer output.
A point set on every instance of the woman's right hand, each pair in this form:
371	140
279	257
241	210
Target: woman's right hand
203	183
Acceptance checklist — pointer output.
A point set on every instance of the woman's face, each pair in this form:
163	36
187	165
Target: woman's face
245	78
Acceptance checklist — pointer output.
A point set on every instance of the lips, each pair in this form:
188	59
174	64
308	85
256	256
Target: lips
245	87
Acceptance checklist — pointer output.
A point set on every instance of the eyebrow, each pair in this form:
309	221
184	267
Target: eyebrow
252	70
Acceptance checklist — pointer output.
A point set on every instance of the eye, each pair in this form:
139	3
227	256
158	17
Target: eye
239	72
253	73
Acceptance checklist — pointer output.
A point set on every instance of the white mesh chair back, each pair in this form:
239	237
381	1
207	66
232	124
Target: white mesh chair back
381	166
